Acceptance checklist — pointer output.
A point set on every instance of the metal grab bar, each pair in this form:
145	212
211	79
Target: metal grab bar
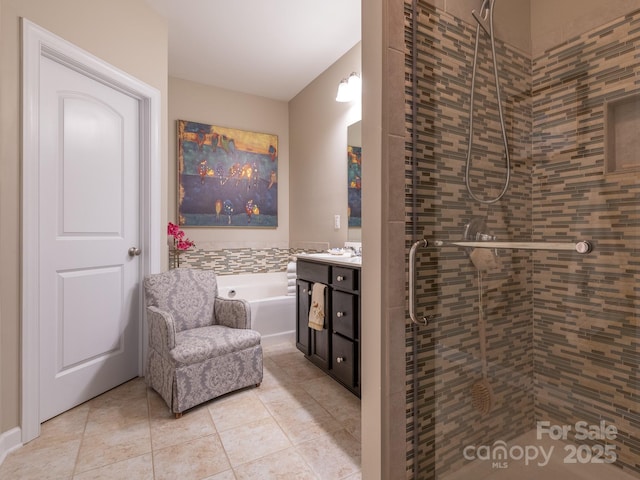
582	247
412	281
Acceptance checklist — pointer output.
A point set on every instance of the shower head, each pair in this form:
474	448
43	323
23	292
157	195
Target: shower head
485	259
482	18
485	8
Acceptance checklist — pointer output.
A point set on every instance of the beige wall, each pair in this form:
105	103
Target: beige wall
553	21
215	106
533	26
374	33
510	21
318	132
125	33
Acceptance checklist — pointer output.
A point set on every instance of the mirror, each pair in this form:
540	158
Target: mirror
354	193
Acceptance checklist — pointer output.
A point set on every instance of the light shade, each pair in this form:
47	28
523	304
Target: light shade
350	88
355	85
344	93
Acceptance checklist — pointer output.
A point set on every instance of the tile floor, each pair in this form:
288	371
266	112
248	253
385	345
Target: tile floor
299	424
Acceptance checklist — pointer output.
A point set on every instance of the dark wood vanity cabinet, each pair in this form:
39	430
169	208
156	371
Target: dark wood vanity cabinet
335	349
303	299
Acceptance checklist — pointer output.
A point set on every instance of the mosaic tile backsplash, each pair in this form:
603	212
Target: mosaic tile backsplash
235	261
562	330
231	261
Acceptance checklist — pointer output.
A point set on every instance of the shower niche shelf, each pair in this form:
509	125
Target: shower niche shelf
622	142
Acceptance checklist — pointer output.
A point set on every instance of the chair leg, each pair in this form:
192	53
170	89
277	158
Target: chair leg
178	414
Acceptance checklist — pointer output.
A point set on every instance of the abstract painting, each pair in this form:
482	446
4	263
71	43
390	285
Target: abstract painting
354	164
226	177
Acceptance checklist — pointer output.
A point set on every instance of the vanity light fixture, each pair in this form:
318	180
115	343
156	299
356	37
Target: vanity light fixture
343	91
350	88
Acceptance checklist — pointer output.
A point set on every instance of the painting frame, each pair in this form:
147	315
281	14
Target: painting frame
226	177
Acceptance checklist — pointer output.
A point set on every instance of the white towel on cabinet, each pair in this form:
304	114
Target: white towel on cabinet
316	313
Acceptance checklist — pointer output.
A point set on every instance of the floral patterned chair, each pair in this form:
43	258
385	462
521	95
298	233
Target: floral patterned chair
201	345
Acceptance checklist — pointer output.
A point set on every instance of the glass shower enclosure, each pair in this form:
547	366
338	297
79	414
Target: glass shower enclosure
523	216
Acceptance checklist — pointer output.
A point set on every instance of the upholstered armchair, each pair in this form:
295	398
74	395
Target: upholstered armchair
201	345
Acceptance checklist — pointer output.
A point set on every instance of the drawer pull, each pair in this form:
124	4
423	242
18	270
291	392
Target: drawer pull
340	278
309	292
340	314
341	359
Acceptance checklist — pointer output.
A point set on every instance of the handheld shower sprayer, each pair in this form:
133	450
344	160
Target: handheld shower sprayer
486	14
483	16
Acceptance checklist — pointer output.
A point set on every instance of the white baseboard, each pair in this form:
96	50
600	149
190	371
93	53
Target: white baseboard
9	441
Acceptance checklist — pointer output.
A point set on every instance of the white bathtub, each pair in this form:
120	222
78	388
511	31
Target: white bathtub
273	312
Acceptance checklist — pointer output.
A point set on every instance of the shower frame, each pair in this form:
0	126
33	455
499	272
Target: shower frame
579	278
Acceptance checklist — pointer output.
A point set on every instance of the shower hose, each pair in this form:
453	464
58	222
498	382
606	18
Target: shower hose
486	11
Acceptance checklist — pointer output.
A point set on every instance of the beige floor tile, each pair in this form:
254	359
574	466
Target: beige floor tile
282	400
117	408
168	430
157	406
282	465
191	460
40	460
355	476
236	410
226	475
113	446
353	425
274	376
303	424
286	357
68	426
337	400
130	433
302	371
138	468
132	390
333	456
253	440
295	365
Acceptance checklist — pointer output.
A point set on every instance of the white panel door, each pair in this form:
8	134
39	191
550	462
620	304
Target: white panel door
89	303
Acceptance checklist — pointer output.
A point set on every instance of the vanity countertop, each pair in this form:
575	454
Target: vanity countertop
345	259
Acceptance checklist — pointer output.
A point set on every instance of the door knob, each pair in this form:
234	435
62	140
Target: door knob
134	251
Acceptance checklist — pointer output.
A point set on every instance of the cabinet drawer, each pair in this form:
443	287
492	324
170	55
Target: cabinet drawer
345	278
314	272
344	308
344	360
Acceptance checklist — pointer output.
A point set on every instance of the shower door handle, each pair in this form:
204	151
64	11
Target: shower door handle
412	281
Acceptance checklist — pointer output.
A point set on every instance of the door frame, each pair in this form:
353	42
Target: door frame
38	43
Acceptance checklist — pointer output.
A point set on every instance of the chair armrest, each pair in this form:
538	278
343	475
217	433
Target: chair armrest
232	312
162	330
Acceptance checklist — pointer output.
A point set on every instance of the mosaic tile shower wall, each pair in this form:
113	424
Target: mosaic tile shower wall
448	285
562	329
586	328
